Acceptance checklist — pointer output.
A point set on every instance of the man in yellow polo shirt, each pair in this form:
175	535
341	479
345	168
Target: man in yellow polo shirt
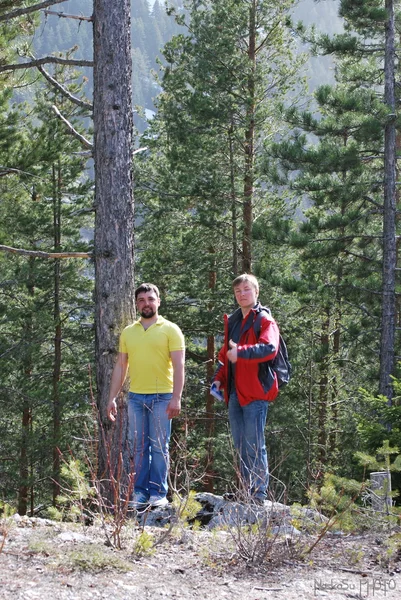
152	350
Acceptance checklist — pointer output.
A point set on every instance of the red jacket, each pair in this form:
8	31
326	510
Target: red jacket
254	379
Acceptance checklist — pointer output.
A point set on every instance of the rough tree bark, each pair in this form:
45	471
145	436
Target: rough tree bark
234	231
114	220
23	490
249	147
387	342
56	401
322	409
210	412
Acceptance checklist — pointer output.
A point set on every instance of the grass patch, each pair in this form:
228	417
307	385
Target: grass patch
94	558
84	557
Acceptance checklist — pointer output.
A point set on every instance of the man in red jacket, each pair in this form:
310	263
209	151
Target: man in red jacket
248	382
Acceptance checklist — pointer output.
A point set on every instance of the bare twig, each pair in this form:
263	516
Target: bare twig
86	143
40	254
63	91
61	14
3	541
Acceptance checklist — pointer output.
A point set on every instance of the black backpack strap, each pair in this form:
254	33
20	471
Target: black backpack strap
280	364
257	323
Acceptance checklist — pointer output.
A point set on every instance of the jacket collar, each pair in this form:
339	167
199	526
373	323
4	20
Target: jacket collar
237	314
236	317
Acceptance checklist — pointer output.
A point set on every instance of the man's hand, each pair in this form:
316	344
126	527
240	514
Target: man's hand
112	409
117	379
173	408
232	353
216	391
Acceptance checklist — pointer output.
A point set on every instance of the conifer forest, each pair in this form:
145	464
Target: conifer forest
184	143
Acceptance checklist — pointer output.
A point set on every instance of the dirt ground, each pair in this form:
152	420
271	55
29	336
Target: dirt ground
47	560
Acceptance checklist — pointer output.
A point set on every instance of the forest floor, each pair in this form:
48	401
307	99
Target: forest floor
52	561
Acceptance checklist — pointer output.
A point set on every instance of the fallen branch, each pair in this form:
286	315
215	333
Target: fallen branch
323	561
40	254
356	571
86	143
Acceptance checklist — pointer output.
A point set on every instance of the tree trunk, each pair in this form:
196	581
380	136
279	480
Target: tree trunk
333	449
57	334
210	413
397	356
210	419
26	405
249	146
114	220
387	351
323	394
310	432
233	203
335	378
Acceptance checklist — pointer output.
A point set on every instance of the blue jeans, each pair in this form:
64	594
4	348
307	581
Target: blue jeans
247	425
149	431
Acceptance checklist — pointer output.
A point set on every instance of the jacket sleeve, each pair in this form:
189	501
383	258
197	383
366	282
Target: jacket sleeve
219	374
267	345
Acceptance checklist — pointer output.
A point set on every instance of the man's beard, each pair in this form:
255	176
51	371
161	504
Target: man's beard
147	313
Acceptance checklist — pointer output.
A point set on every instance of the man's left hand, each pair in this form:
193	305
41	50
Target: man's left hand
232	353
173	408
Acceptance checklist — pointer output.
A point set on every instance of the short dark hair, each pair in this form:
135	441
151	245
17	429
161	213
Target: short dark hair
246	277
147	287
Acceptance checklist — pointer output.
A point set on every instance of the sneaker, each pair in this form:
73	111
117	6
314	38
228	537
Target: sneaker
230	497
138	501
158	501
259	500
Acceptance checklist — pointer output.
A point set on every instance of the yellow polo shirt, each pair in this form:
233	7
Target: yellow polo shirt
149	363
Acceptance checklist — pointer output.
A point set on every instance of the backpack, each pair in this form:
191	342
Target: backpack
280	363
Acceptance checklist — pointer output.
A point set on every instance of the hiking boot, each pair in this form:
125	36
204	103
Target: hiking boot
158	501
138	501
230	497
259	500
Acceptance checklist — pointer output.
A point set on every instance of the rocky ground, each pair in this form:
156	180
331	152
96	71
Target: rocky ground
48	560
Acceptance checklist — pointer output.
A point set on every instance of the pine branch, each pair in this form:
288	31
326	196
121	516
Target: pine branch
40	254
196	357
369	199
83	211
71	129
28	9
346	238
82	153
267	37
61	14
63	91
360	256
46	60
8	170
